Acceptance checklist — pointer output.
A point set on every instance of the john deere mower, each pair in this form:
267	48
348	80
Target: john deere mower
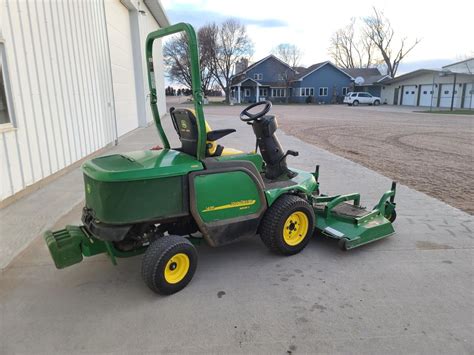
159	202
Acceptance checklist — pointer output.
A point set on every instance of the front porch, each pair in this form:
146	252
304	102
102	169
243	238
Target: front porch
249	91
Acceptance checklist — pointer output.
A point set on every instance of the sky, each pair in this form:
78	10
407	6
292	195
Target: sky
445	28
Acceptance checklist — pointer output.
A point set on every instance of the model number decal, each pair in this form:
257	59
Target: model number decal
243	204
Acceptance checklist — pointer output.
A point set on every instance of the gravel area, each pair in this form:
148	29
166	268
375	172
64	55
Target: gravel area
429	152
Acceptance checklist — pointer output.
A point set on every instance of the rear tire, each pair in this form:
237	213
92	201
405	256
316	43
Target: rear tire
287	225
169	264
355	103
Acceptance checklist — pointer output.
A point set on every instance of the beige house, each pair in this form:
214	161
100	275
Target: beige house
453	84
72	81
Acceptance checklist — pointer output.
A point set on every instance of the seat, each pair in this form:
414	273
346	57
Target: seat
185	123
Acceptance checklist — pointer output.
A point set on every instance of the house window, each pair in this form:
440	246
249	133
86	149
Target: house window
5	113
323	91
280	77
246	92
345	90
258	76
278	92
307	92
263	92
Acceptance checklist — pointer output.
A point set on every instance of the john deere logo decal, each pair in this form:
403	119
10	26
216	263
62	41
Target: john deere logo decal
243	204
183	124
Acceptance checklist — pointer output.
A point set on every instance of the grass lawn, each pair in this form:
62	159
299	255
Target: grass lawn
447	112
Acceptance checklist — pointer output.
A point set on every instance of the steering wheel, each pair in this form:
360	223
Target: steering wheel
246	116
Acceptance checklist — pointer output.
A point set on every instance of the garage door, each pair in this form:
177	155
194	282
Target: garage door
447	94
121	56
409	95
426	93
469	96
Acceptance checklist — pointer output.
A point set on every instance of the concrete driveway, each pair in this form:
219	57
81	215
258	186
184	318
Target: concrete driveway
410	293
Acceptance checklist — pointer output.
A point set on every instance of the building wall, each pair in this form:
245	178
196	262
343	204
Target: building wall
326	76
270	70
388	90
60	77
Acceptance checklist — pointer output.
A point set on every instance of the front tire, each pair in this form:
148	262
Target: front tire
169	264
287	225
376	102
355	103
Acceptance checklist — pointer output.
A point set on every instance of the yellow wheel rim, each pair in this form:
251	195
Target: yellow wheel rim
295	228
176	268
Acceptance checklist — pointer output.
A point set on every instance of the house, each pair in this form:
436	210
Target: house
267	78
72	81
367	80
451	85
270	78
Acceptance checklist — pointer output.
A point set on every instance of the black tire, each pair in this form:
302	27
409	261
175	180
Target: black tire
342	243
272	225
156	259
392	216
355	103
376	102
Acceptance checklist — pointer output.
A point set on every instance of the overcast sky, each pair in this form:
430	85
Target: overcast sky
445	28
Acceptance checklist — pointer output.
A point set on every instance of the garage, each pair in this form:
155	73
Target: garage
426	96
469	96
121	57
446	96
409	95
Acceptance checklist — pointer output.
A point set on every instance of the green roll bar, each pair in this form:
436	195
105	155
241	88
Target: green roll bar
195	79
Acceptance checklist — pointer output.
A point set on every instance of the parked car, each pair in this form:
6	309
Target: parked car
356	98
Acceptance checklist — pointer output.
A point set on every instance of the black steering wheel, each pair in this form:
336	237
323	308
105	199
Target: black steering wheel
246	116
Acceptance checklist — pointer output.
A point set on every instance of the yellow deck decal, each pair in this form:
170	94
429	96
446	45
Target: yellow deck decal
242	203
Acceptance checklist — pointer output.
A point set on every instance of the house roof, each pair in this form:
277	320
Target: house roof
157	12
311	69
411	75
260	62
244	80
460	62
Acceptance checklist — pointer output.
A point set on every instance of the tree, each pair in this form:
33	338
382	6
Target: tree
291	55
288	53
177	60
380	33
350	49
231	43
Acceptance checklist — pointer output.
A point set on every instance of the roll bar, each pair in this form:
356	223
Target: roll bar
195	82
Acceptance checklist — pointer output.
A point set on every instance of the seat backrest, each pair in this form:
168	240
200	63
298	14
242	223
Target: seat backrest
185	123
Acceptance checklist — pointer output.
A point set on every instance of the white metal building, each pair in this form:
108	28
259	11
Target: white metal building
454	84
73	80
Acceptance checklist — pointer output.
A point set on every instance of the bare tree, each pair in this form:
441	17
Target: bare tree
350	49
380	33
291	55
177	60
231	44
288	53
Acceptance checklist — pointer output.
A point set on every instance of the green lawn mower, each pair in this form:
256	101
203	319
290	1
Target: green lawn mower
160	202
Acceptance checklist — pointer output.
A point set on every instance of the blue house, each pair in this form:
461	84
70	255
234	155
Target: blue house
272	79
268	78
323	82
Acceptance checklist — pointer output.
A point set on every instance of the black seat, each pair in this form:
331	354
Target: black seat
185	124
